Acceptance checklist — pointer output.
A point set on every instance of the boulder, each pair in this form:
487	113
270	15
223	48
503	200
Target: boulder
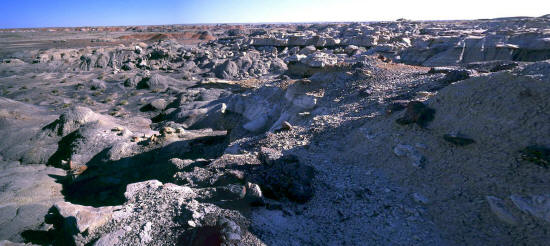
227	70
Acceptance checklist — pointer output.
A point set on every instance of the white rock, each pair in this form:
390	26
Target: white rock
305	102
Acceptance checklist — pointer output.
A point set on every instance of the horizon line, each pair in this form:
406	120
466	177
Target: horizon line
263	23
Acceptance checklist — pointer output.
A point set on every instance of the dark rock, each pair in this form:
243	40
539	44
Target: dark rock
458	139
456	75
155	82
396	105
231	192
285	126
435	70
155	105
158	53
539	155
417	112
288	178
506	66
224	232
206	235
128	66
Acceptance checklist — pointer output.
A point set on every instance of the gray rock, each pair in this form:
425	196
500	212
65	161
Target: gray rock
456	75
537	206
85	218
417	112
499	209
227	70
410	152
97	84
458	139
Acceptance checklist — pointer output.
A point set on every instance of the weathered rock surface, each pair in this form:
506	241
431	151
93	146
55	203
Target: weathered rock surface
277	134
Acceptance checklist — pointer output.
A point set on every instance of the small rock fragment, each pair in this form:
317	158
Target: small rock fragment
117	129
254	193
396	105
458	139
539	155
231	232
231	192
420	198
499	209
285	126
406	150
417	112
456	75
167	130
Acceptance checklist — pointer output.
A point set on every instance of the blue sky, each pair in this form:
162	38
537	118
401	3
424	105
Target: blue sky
44	13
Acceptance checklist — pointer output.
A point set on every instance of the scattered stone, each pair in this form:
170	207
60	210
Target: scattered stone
254	194
458	139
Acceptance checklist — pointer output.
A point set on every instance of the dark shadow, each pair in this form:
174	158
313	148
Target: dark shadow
201	236
104	182
61	234
64	150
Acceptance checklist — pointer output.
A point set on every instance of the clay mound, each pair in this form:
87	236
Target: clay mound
502	110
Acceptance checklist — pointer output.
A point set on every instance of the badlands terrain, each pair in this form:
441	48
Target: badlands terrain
383	133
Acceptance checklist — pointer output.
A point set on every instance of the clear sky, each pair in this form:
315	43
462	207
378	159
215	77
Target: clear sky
65	13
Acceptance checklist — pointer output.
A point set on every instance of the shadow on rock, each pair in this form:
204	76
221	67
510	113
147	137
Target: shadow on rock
103	181
61	233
